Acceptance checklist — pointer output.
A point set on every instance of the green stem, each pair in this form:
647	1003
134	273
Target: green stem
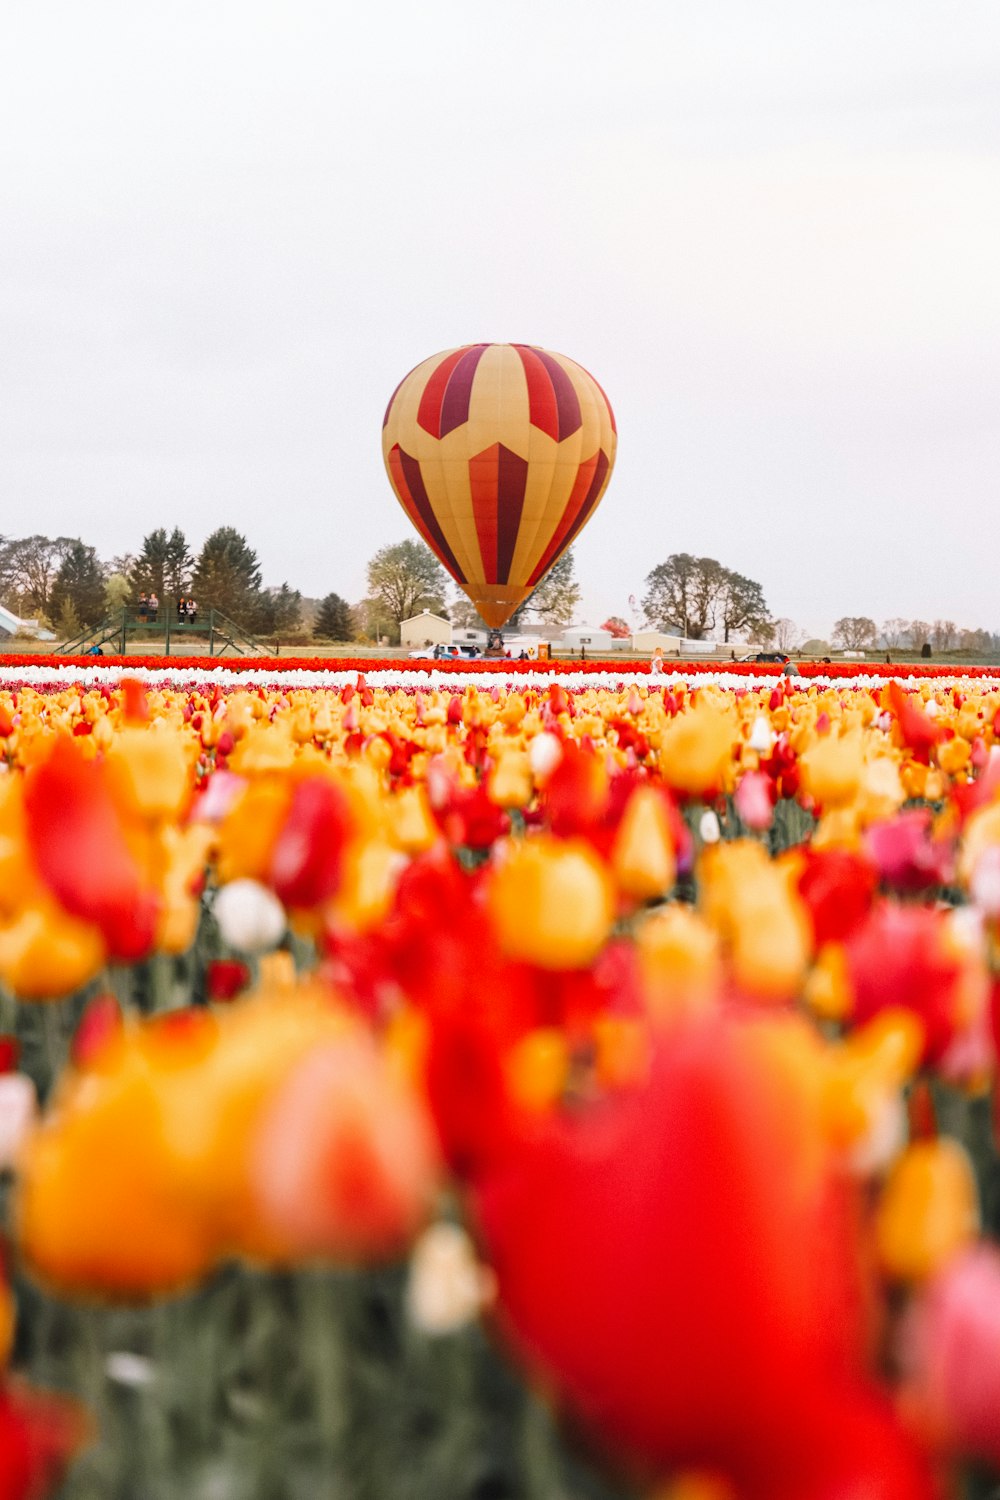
8	1012
158	1464
160	988
53	1039
542	1475
326	1354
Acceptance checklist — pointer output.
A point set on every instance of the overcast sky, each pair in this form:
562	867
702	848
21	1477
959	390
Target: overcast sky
770	230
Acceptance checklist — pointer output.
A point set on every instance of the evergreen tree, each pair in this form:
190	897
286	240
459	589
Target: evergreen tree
278	611
79	583
227	577
177	565
333	619
162	567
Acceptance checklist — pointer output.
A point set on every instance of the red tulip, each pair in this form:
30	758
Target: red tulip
306	864
39	1433
82	853
680	1265
918	729
838	888
901	958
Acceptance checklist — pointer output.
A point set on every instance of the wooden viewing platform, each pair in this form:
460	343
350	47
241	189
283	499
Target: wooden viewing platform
221	633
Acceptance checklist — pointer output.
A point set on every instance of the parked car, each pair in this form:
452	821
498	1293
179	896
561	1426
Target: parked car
441	652
779	656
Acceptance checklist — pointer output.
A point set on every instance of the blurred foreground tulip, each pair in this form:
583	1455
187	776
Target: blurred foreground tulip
82	851
952	1354
551	902
905	957
742	1353
345	1163
142	1176
39	1434
929	1210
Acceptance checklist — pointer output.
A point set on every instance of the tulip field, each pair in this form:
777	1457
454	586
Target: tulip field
498	1082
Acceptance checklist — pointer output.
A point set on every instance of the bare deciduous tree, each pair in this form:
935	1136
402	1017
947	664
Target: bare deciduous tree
786	634
855	632
895	633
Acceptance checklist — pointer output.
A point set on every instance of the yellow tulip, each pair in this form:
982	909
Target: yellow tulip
929	1210
552	902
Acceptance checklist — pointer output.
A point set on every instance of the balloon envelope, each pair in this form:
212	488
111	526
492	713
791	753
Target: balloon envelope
499	454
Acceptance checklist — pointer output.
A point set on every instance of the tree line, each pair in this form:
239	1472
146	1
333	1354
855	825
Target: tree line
860	633
62	582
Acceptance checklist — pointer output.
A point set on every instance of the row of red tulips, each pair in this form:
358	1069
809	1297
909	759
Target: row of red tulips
504	666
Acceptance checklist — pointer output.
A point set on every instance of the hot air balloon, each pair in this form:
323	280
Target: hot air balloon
499	454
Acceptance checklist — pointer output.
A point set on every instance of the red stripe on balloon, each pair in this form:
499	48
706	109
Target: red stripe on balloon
578	494
444	404
567	401
483	483
458	396
543	410
498	479
410	488
589	483
511	486
429	411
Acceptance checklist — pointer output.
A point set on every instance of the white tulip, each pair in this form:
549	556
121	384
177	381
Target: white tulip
250	917
447	1286
544	754
709	828
761	735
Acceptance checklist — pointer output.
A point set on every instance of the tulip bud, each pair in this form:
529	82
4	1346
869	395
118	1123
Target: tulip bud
984	887
510	780
250	917
955	1353
753	801
552	903
447	1286
545	752
18	1112
761	735
708	827
929	1210
642	857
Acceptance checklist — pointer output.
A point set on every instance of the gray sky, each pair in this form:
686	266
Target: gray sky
770	230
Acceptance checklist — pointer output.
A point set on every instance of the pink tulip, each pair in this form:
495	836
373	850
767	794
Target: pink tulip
753	801
956	1353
